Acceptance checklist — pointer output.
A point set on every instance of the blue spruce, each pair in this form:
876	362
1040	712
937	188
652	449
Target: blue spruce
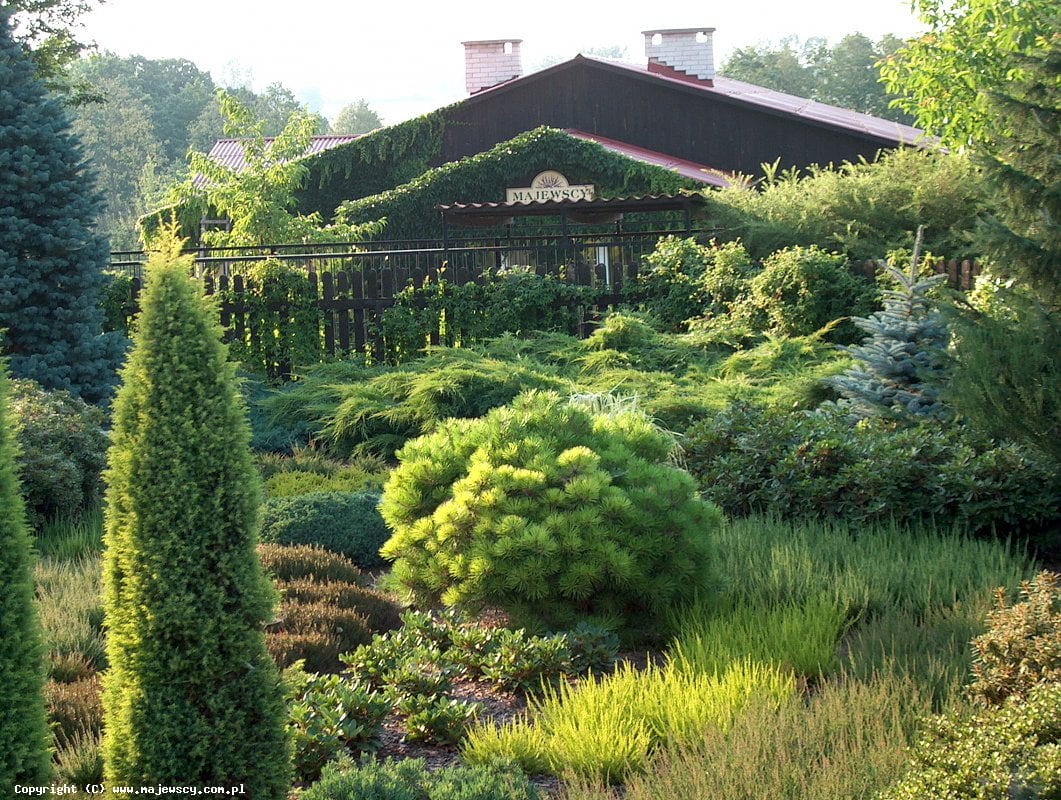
51	260
902	361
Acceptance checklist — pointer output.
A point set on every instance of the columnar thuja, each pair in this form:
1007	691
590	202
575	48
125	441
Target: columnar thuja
192	697
24	736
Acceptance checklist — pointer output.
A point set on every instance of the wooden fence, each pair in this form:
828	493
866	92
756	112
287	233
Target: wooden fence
352	303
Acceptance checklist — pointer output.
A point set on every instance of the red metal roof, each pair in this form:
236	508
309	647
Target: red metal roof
687	169
229	152
749	94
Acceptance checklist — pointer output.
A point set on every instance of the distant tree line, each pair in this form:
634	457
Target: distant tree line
846	74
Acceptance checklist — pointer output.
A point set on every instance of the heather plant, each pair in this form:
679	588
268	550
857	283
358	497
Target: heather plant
71	613
409	779
191	696
1022	646
295	562
63	450
24	733
849	739
552	513
74	709
606	729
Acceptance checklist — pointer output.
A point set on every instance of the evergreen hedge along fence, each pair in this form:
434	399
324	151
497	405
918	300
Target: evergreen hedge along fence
288	305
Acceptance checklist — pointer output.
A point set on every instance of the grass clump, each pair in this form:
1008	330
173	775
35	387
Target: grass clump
607	729
69	599
848	741
800	637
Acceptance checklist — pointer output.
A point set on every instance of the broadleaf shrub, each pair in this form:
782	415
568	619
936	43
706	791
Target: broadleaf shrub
344	523
684	279
1009	751
803	289
551	512
63	450
1022	646
792	465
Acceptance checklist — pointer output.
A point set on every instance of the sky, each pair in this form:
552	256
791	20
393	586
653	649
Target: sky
407	59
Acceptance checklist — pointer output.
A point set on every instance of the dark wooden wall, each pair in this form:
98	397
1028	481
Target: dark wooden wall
670	118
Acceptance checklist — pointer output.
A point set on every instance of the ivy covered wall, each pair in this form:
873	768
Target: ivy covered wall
410	207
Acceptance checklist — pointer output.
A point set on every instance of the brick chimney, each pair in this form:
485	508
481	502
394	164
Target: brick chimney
488	63
685	53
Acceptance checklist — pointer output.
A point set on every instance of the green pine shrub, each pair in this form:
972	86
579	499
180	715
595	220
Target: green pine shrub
797	465
409	779
551	512
24	736
294	562
191	696
1022	646
74	708
802	289
347	524
63	451
1013	750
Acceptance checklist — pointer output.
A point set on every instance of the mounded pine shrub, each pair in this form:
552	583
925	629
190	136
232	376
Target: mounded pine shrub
192	697
24	734
551	511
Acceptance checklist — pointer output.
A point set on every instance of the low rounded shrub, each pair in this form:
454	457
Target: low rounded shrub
551	512
293	562
409	779
63	450
1009	751
803	289
798	465
346	523
323	631
382	613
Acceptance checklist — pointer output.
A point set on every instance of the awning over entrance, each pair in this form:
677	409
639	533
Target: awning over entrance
579	211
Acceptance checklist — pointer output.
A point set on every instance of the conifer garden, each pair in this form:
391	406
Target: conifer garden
719	548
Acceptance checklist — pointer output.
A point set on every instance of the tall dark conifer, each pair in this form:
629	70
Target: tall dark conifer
24	735
51	260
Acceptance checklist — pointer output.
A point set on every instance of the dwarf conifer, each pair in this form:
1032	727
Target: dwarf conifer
24	735
553	511
51	261
192	697
901	362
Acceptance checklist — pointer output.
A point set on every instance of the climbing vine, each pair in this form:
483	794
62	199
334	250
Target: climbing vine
410	208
